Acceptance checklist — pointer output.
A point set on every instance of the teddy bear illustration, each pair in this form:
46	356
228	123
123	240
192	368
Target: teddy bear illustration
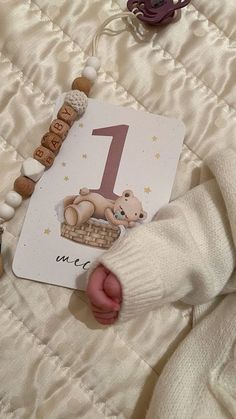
126	210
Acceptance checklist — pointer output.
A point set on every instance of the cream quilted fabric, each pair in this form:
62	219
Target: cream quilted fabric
55	361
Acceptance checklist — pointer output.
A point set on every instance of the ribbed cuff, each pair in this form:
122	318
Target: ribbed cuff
141	290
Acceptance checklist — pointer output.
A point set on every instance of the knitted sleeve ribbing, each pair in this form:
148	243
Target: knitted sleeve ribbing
186	254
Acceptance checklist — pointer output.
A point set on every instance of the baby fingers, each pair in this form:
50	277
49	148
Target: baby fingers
109	320
98	298
110	315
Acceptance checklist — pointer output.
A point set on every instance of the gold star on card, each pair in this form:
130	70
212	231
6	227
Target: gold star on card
81	125
66	178
63	164
47	231
154	138
147	189
157	156
85	156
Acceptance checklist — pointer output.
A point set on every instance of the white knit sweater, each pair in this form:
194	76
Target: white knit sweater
188	254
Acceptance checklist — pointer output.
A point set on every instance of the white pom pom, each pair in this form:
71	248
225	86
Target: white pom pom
77	100
6	212
90	73
13	199
93	62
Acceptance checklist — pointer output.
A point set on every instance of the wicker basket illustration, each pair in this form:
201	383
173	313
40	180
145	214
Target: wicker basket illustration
92	233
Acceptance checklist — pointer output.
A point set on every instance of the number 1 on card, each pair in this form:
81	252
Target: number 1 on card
118	134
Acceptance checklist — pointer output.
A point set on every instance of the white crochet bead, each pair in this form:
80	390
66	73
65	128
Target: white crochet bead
93	62
90	73
77	100
32	169
13	199
6	212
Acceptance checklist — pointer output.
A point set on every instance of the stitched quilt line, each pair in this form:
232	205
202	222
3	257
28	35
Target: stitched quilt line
27	83
48	354
192	76
216	27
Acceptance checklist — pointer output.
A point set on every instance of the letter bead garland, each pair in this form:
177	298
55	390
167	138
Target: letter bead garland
52	142
67	114
76	102
60	128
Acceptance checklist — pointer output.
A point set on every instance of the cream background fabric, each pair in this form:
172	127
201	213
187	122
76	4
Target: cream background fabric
55	361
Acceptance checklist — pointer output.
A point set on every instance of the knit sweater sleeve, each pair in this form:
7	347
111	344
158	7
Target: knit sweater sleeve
187	253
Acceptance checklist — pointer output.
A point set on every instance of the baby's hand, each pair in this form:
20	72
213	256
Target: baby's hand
105	295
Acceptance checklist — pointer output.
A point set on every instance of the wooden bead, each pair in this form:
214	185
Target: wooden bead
24	186
82	84
52	141
67	114
60	128
44	156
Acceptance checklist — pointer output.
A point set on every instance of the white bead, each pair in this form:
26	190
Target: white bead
93	62
90	73
6	212
77	100
32	169
13	199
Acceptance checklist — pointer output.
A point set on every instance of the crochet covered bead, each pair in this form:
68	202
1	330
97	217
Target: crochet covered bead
77	100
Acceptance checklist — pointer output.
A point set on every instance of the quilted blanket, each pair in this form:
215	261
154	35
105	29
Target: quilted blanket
56	362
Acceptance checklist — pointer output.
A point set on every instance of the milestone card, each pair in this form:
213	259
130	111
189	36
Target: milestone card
115	169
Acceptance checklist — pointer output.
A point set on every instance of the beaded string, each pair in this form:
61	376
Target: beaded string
75	104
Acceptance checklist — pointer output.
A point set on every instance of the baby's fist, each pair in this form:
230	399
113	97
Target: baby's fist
105	295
